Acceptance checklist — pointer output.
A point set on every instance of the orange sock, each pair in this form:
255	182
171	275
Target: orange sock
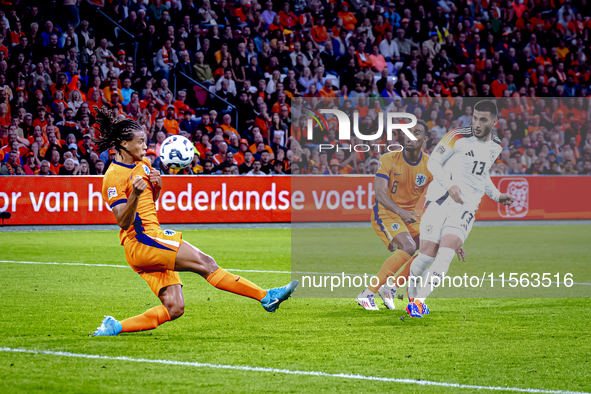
390	267
148	320
223	280
404	272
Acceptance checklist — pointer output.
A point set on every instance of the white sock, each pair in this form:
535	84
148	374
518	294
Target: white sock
391	283
435	273
417	269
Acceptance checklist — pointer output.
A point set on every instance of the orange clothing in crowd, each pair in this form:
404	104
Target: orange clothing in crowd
253	149
273	27
240	14
66	89
327	94
381	33
498	88
172	126
201	149
180	107
336	31
92	104
107	92
40	123
16	37
362	111
92	90
349	20
5	120
319	34
277	107
239	158
287	20
32	139
363	59
263	125
55	169
230	129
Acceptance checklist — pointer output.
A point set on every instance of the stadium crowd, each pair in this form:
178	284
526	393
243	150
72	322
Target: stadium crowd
231	76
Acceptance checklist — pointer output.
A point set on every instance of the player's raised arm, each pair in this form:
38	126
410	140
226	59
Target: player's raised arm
125	213
156	181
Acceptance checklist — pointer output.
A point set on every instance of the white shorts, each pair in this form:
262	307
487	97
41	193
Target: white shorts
445	218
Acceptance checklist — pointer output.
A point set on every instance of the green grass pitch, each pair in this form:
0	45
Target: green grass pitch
518	342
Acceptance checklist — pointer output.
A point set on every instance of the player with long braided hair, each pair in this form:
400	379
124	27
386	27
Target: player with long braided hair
131	187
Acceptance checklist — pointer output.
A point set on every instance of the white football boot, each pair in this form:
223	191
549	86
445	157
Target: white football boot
367	300
388	293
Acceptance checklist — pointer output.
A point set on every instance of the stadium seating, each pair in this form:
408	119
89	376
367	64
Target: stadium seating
541	49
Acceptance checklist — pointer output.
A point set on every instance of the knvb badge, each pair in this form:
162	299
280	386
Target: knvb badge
519	188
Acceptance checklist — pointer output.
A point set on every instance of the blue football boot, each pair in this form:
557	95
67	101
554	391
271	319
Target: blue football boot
109	327
277	295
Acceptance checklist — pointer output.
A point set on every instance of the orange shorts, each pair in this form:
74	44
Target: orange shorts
389	226
152	255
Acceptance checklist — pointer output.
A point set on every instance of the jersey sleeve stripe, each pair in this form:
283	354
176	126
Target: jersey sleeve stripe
448	137
451	140
123	200
386	177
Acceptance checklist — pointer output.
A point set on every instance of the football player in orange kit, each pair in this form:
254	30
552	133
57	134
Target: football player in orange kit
131	187
401	179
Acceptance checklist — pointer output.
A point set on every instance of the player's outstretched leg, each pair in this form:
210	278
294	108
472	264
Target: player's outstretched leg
418	270
189	258
401	279
434	275
387	289
173	307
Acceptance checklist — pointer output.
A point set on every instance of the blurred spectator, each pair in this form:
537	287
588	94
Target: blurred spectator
256	168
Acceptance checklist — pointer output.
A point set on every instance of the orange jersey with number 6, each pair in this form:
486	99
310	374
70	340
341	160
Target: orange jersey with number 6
406	180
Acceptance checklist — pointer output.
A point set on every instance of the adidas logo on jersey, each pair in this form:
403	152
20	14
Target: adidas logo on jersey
471	153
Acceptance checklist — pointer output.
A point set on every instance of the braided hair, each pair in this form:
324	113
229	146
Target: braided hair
114	130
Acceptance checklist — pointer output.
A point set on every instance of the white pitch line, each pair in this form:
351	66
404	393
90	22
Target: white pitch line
287	371
259	271
127	266
49	263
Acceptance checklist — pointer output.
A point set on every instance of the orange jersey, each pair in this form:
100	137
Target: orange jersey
117	186
172	126
406	180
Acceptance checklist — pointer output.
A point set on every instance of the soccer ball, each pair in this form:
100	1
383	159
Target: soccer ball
177	152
